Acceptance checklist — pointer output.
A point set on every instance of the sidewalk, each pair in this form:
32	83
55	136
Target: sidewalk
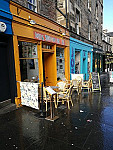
87	126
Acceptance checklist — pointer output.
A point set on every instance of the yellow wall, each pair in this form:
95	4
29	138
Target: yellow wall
67	63
23	31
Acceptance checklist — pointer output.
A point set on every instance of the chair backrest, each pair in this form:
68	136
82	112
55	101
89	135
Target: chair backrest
74	82
44	93
78	77
69	91
61	85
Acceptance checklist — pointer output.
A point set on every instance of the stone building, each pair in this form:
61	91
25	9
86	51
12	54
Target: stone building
85	18
85	21
108	48
44	7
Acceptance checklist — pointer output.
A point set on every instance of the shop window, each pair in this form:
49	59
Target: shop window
89	62
32	5
28	61
60	63
77	62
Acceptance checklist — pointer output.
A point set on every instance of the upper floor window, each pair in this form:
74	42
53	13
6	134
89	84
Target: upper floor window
61	4
89	5
32	5
97	11
89	31
77	21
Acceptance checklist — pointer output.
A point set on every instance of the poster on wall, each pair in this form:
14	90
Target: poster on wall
29	94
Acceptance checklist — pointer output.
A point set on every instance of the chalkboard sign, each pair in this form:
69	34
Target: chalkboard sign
95	81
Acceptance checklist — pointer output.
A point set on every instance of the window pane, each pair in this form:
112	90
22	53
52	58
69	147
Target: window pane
60	63
30	6
29	69
28	61
27	50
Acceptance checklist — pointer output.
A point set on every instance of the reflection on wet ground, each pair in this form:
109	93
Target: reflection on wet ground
87	126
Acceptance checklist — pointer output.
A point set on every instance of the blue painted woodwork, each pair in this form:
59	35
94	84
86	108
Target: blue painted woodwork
5	15
84	49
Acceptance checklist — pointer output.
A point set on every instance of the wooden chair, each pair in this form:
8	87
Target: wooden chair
62	85
80	82
75	84
87	85
46	98
65	96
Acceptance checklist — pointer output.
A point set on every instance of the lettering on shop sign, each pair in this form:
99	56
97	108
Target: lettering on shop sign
44	37
72	61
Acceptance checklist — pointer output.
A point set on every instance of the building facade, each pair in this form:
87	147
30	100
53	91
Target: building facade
40	49
43	7
108	48
85	22
81	57
7	74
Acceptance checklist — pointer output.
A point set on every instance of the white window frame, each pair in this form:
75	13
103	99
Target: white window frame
33	5
89	31
89	5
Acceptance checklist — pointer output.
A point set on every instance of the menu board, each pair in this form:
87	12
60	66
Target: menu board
95	81
50	90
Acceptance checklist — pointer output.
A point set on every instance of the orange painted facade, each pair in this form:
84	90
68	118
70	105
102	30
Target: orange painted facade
24	31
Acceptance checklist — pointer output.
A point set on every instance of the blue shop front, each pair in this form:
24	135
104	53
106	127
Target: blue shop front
81	58
7	67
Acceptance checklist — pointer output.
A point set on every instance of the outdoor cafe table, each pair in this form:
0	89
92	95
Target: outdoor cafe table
51	92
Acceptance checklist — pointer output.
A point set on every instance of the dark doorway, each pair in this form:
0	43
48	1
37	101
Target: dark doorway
4	73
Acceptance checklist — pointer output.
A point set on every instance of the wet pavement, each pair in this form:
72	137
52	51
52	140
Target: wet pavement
87	126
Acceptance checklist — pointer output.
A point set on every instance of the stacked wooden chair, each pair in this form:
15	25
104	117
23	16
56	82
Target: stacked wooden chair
64	94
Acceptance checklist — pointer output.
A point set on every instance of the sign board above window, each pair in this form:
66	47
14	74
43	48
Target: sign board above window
48	38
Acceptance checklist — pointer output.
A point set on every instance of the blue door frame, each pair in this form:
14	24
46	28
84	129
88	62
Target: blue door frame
84	48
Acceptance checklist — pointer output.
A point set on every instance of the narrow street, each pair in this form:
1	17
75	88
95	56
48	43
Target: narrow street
88	125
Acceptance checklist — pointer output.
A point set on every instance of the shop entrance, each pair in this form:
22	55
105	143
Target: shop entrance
48	65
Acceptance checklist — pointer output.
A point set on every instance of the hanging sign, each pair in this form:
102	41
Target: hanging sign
2	27
95	81
48	38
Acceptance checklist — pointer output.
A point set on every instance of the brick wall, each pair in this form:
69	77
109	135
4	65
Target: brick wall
46	8
21	2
